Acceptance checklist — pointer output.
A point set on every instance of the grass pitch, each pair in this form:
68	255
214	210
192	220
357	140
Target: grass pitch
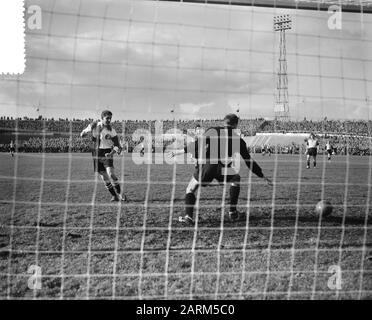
56	215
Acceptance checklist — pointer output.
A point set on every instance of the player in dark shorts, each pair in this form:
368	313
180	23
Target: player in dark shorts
329	150
215	164
106	143
12	148
311	150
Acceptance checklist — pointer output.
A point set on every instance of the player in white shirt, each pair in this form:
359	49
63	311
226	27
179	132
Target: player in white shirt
12	148
311	149
106	143
329	150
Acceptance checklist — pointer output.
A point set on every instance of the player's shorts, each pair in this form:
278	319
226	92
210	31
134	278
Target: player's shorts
329	151
312	152
12	149
209	172
100	162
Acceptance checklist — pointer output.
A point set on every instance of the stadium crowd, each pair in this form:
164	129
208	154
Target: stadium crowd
347	137
356	128
248	127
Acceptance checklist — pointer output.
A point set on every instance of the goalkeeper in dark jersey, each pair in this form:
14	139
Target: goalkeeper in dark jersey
215	151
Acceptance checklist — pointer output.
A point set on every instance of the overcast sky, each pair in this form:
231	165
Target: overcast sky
143	58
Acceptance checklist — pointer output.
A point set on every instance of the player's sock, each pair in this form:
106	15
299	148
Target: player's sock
190	202
234	196
117	187
314	164
308	163
111	189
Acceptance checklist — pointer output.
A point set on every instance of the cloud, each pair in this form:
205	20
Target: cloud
332	109
192	108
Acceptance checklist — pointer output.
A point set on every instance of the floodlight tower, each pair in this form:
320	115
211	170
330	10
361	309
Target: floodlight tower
281	108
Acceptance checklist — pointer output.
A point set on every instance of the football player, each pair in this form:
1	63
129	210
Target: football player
312	145
268	150
106	143
12	148
329	149
216	165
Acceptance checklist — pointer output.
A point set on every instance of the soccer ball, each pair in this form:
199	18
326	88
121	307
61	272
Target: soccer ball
323	208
